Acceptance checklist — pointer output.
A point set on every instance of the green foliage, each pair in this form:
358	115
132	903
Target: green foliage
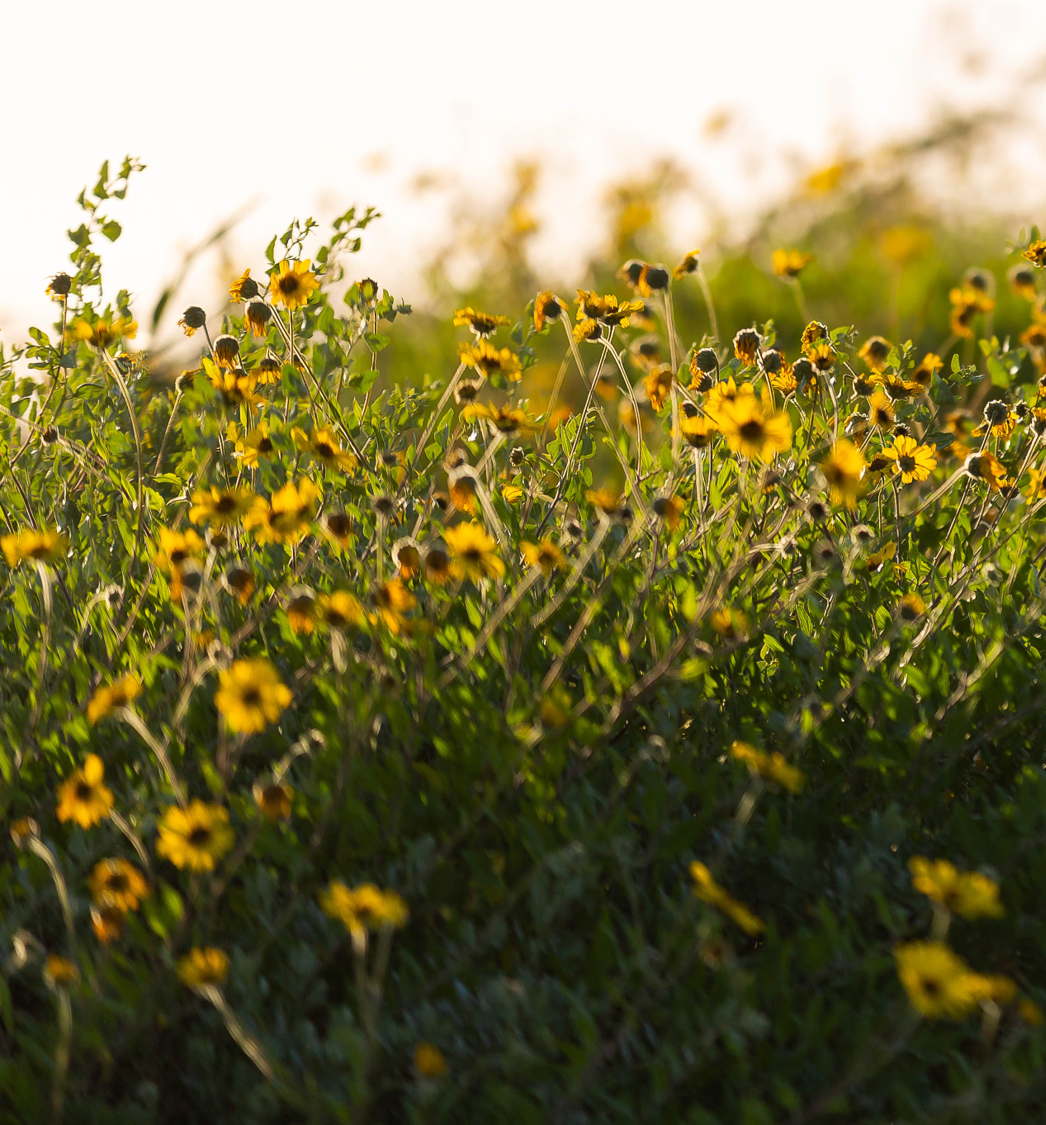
504	659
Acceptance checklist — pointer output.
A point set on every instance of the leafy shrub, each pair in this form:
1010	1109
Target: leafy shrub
388	750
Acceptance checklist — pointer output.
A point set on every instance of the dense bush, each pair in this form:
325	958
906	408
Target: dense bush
385	749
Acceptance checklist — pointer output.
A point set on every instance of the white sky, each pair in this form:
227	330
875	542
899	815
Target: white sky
289	104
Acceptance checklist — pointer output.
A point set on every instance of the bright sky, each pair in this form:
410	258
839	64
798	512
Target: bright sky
305	109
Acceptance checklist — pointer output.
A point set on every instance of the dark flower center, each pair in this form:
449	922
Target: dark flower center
84	791
752	430
199	837
251	697
906	464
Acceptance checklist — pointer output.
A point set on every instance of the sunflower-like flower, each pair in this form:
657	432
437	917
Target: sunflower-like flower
37	546
1022	281
843	469
221	507
112	696
323	444
823	357
251	695
723	393
83	797
966	893
59	287
652	279
107	923
771	766
729	622
244	288
697	430
339	610
878	559
875	351
707	889
363	908
60	970
203	968
292	284
234	386
669	509
117	884
1036	253
507	420
967	301
274	800
747	342
481	325
195	837
406	557
269	370
938	981
253	445
688	265
545	555
285	517
488	360
658	385
814	333
911	460
926	368
103	333
606	310
226	351
753	432
881	411
790	263
473	552
257	316
177	547
192	320
393	600
239	580
301	612
547	307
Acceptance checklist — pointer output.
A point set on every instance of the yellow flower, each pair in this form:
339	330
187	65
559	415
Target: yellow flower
437	564
987	467
244	288
813	334
323	444
480	324
790	263
286	516
912	461
292	284
484	357
104	333
750	432
83	797
1036	253
823	357
429	1061
842	469
927	367
112	696
393	599
220	506
687	265
240	581
896	387
40	546
59	286
938	982
669	509
506	420
966	893
274	800
176	548
911	607
473	552
729	622
107	923
363	908
301	612
251	695
658	385
771	766
874	351
724	392
406	557
1035	489
746	345
339	610
876	561
607	310
235	386
967	302
195	837
547	306
253	445
881	411
117	884
60	970
544	554
707	889
697	430
901	244
202	968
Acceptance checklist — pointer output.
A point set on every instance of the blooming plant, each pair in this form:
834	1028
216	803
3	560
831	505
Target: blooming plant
635	717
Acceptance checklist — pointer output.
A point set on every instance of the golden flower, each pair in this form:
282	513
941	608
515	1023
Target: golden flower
323	444
285	517
240	581
790	263
481	325
23	830
1034	336
273	800
669	509
911	461
251	695
226	351
220	506
473	552
881	411
269	370
117	884
429	1061
607	310
688	265
60	970
177	547
911	607
938	982
392	600
752	433
607	499
967	302
107	923
724	392
927	367
878	559
257	315
707	889
771	766
746	345
987	467
587	329
40	546
363	908
113	696
843	469
485	358
658	385
822	356
339	527
104	333
544	554
547	306
244	288
897	387
83	797
875	351
1035	489
301	613
993	988
253	445
506	420
203	968
729	622
406	557
1000	420
652	279
195	837
1036	253
1022	281
966	893
462	485
697	430
784	380
340	610
292	284
192	319
437	564
234	385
